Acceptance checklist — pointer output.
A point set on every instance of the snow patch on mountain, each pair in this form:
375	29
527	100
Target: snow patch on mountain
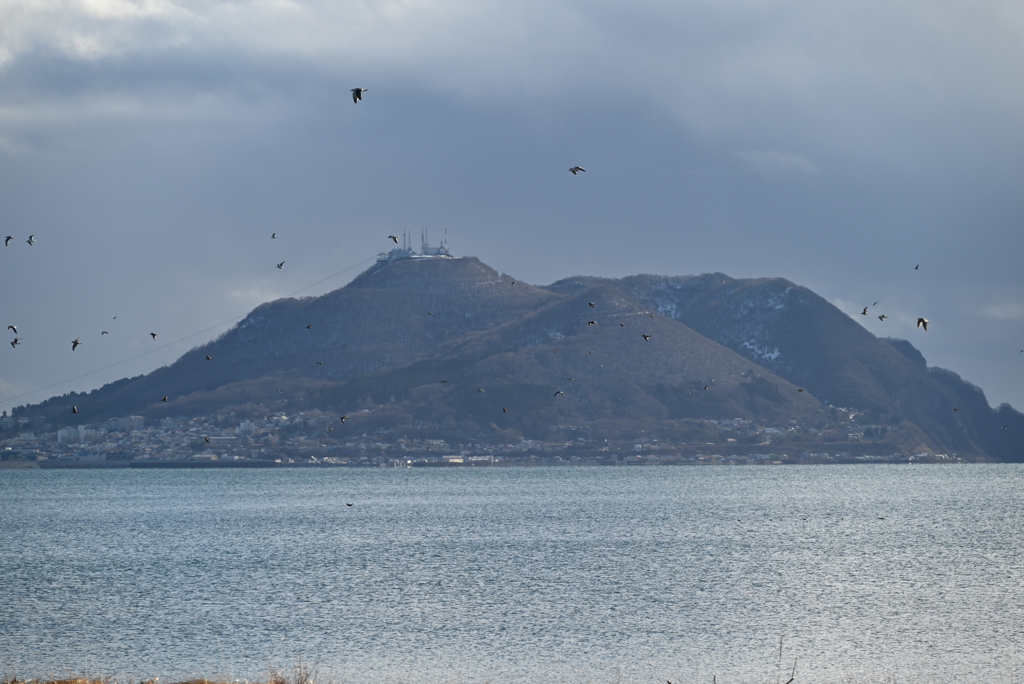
764	353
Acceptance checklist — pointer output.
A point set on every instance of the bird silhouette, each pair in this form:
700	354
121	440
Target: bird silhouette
800	390
206	439
394	238
153	335
273	236
15	342
513	282
444	381
308	327
591	304
31	240
864	312
74	409
570	379
7	240
504	409
882	317
209	358
75	343
647	338
430	314
622	325
918	267
14	328
163	398
576	169
104	333
591	322
319	363
281	265
357	94
343	418
559	392
479	389
923	323
348	504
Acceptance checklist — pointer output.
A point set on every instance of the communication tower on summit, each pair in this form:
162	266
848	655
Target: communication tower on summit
405	251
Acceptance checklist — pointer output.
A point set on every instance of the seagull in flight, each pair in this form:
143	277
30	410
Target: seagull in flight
923	323
559	392
864	312
882	317
104	333
504	409
918	267
273	236
75	342
576	170
74	409
591	322
393	238
31	240
163	398
647	338
343	418
14	328
357	94
591	304
209	358
15	342
153	335
281	265
8	239
309	326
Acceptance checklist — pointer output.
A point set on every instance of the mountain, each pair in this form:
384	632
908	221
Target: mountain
410	343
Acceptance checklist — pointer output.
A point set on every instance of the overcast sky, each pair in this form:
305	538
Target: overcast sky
153	146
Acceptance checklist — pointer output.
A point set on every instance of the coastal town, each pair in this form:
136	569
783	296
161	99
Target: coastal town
306	439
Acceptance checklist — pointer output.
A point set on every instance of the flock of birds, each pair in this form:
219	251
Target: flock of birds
357	96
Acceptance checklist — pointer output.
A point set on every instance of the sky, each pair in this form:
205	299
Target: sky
153	146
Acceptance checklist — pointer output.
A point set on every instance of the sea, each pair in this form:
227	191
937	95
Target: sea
719	574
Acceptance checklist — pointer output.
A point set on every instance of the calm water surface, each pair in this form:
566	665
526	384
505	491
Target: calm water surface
867	573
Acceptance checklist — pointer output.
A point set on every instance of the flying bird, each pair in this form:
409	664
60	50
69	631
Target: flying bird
319	363
706	386
14	328
104	333
800	390
273	236
75	342
153	335
570	378
15	342
209	358
622	325
394	238
480	389
31	240
591	322
8	239
923	323
163	398
309	326
74	409
591	304
504	409
430	314
207	439
513	282
955	409
918	267
882	317
348	504
357	94
647	338
864	312
559	392
444	381
281	265
343	418
576	169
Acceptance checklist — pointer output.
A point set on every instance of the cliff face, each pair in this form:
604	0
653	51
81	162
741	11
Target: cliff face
572	353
